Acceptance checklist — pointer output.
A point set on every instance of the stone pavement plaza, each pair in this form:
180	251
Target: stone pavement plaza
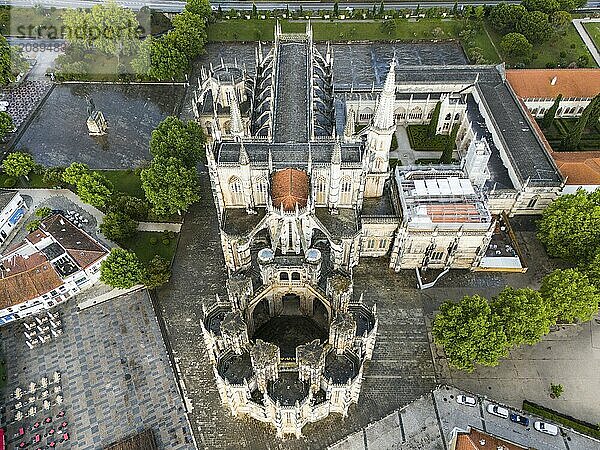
116	377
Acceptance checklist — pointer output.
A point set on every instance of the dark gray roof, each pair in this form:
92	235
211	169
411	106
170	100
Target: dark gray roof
287	155
237	222
5	197
340	225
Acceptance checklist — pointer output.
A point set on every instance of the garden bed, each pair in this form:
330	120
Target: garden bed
148	244
419	139
590	140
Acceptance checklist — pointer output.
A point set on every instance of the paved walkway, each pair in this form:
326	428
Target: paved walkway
578	23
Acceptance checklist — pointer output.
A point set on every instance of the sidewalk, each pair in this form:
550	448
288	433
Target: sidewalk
578	23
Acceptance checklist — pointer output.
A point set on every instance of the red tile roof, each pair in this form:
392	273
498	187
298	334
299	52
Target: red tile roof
537	83
478	440
289	188
26	285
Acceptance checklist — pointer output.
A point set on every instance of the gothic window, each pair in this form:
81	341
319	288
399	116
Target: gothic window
382	244
579	110
534	111
295	276
321	190
346	188
446	126
365	115
437	256
542	110
457	116
261	190
400	114
283	276
416	113
379	163
559	111
370	244
228	94
236	191
532	202
448	116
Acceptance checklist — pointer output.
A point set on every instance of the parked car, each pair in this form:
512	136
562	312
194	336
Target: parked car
547	428
466	400
497	410
519	419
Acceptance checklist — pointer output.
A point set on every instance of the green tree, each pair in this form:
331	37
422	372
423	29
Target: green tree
570	226
134	207
515	44
589	116
560	20
556	390
121	269
547	6
107	27
433	123
188	34
169	185
94	189
184	141
592	270
74	173
381	9
570	295
254	11
448	150
158	272
159	59
6	124
118	226
470	333
548	119
525	316
43	212
18	164
33	225
199	7
535	26
12	62
566	5
504	18
336	9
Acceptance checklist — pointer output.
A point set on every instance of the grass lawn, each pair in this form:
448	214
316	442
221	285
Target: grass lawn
35	181
125	181
593	29
590	140
549	52
420	141
141	244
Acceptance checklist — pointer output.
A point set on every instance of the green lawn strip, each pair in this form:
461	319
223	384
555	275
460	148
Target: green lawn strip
142	245
549	52
339	30
577	425
420	141
593	29
35	181
125	181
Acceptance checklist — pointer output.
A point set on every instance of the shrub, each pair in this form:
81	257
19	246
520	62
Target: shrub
166	241
10	182
556	390
43	212
154	240
33	225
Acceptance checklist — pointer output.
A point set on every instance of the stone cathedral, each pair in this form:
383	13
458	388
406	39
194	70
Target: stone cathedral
300	172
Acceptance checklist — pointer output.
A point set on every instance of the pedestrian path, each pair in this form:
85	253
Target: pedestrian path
578	23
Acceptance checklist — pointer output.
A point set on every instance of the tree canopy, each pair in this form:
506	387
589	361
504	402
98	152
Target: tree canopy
158	272
6	124
178	139
515	44
121	269
169	185
199	7
74	172
547	6
504	17
18	164
188	34
570	226
524	315
470	333
159	59
94	189
118	226
106	27
570	295
535	26
12	62
548	119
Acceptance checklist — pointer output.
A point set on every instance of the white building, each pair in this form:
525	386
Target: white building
49	266
12	210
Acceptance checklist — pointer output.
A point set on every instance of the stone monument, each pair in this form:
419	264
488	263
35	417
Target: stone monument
96	122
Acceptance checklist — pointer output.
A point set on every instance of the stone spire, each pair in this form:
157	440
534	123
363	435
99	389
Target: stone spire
349	128
237	126
336	155
384	115
244	158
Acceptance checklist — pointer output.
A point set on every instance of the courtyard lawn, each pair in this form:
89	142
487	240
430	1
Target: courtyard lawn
420	141
590	140
35	181
125	181
549	53
593	29
147	244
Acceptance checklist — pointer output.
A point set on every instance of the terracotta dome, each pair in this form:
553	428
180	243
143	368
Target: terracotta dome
289	187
